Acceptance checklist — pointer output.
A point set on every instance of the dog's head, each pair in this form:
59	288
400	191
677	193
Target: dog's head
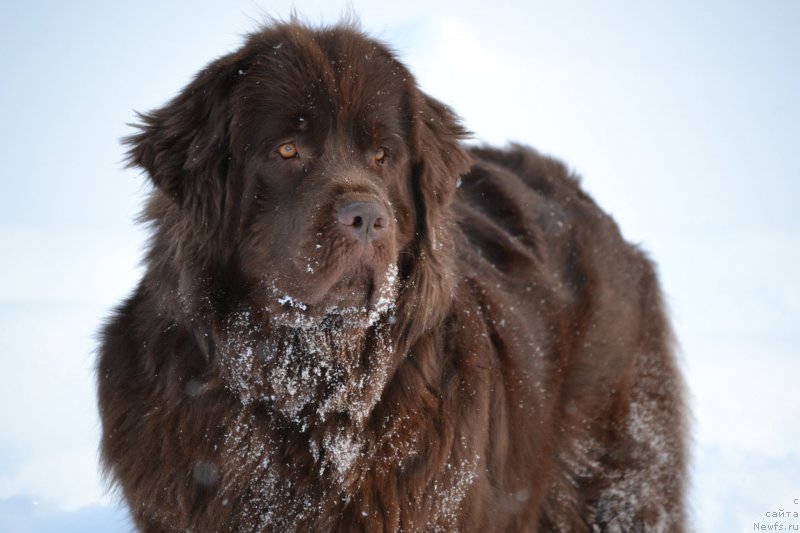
304	172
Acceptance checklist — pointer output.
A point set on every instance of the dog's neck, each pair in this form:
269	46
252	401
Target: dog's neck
310	393
308	373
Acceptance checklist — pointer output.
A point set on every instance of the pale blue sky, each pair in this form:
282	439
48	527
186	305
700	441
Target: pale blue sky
682	118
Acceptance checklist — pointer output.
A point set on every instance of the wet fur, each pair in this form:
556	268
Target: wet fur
519	375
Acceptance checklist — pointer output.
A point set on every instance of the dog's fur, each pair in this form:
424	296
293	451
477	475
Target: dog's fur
492	357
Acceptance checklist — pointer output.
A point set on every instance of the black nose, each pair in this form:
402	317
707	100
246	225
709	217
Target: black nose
365	221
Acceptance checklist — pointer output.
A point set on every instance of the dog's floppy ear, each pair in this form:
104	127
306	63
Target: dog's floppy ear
439	160
184	146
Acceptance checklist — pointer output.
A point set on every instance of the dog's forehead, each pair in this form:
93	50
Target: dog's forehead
334	72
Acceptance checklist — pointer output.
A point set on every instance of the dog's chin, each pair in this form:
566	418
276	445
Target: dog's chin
355	299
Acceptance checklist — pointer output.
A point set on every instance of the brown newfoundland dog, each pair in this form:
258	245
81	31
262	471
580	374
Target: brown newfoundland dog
350	321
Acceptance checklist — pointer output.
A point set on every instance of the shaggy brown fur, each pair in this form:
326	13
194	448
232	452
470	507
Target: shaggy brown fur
351	322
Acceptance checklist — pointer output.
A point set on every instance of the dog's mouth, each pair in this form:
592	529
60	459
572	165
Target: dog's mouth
356	288
355	298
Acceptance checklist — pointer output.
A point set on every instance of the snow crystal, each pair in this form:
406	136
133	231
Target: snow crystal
342	450
291	302
205	473
451	497
637	493
194	388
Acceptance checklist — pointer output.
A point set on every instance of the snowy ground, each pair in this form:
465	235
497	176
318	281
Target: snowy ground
682	119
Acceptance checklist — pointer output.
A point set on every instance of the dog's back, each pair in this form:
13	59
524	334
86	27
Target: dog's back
592	400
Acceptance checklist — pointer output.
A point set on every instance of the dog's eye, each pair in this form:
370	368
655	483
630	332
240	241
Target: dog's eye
288	150
380	156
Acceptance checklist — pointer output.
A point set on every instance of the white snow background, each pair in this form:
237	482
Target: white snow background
683	118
